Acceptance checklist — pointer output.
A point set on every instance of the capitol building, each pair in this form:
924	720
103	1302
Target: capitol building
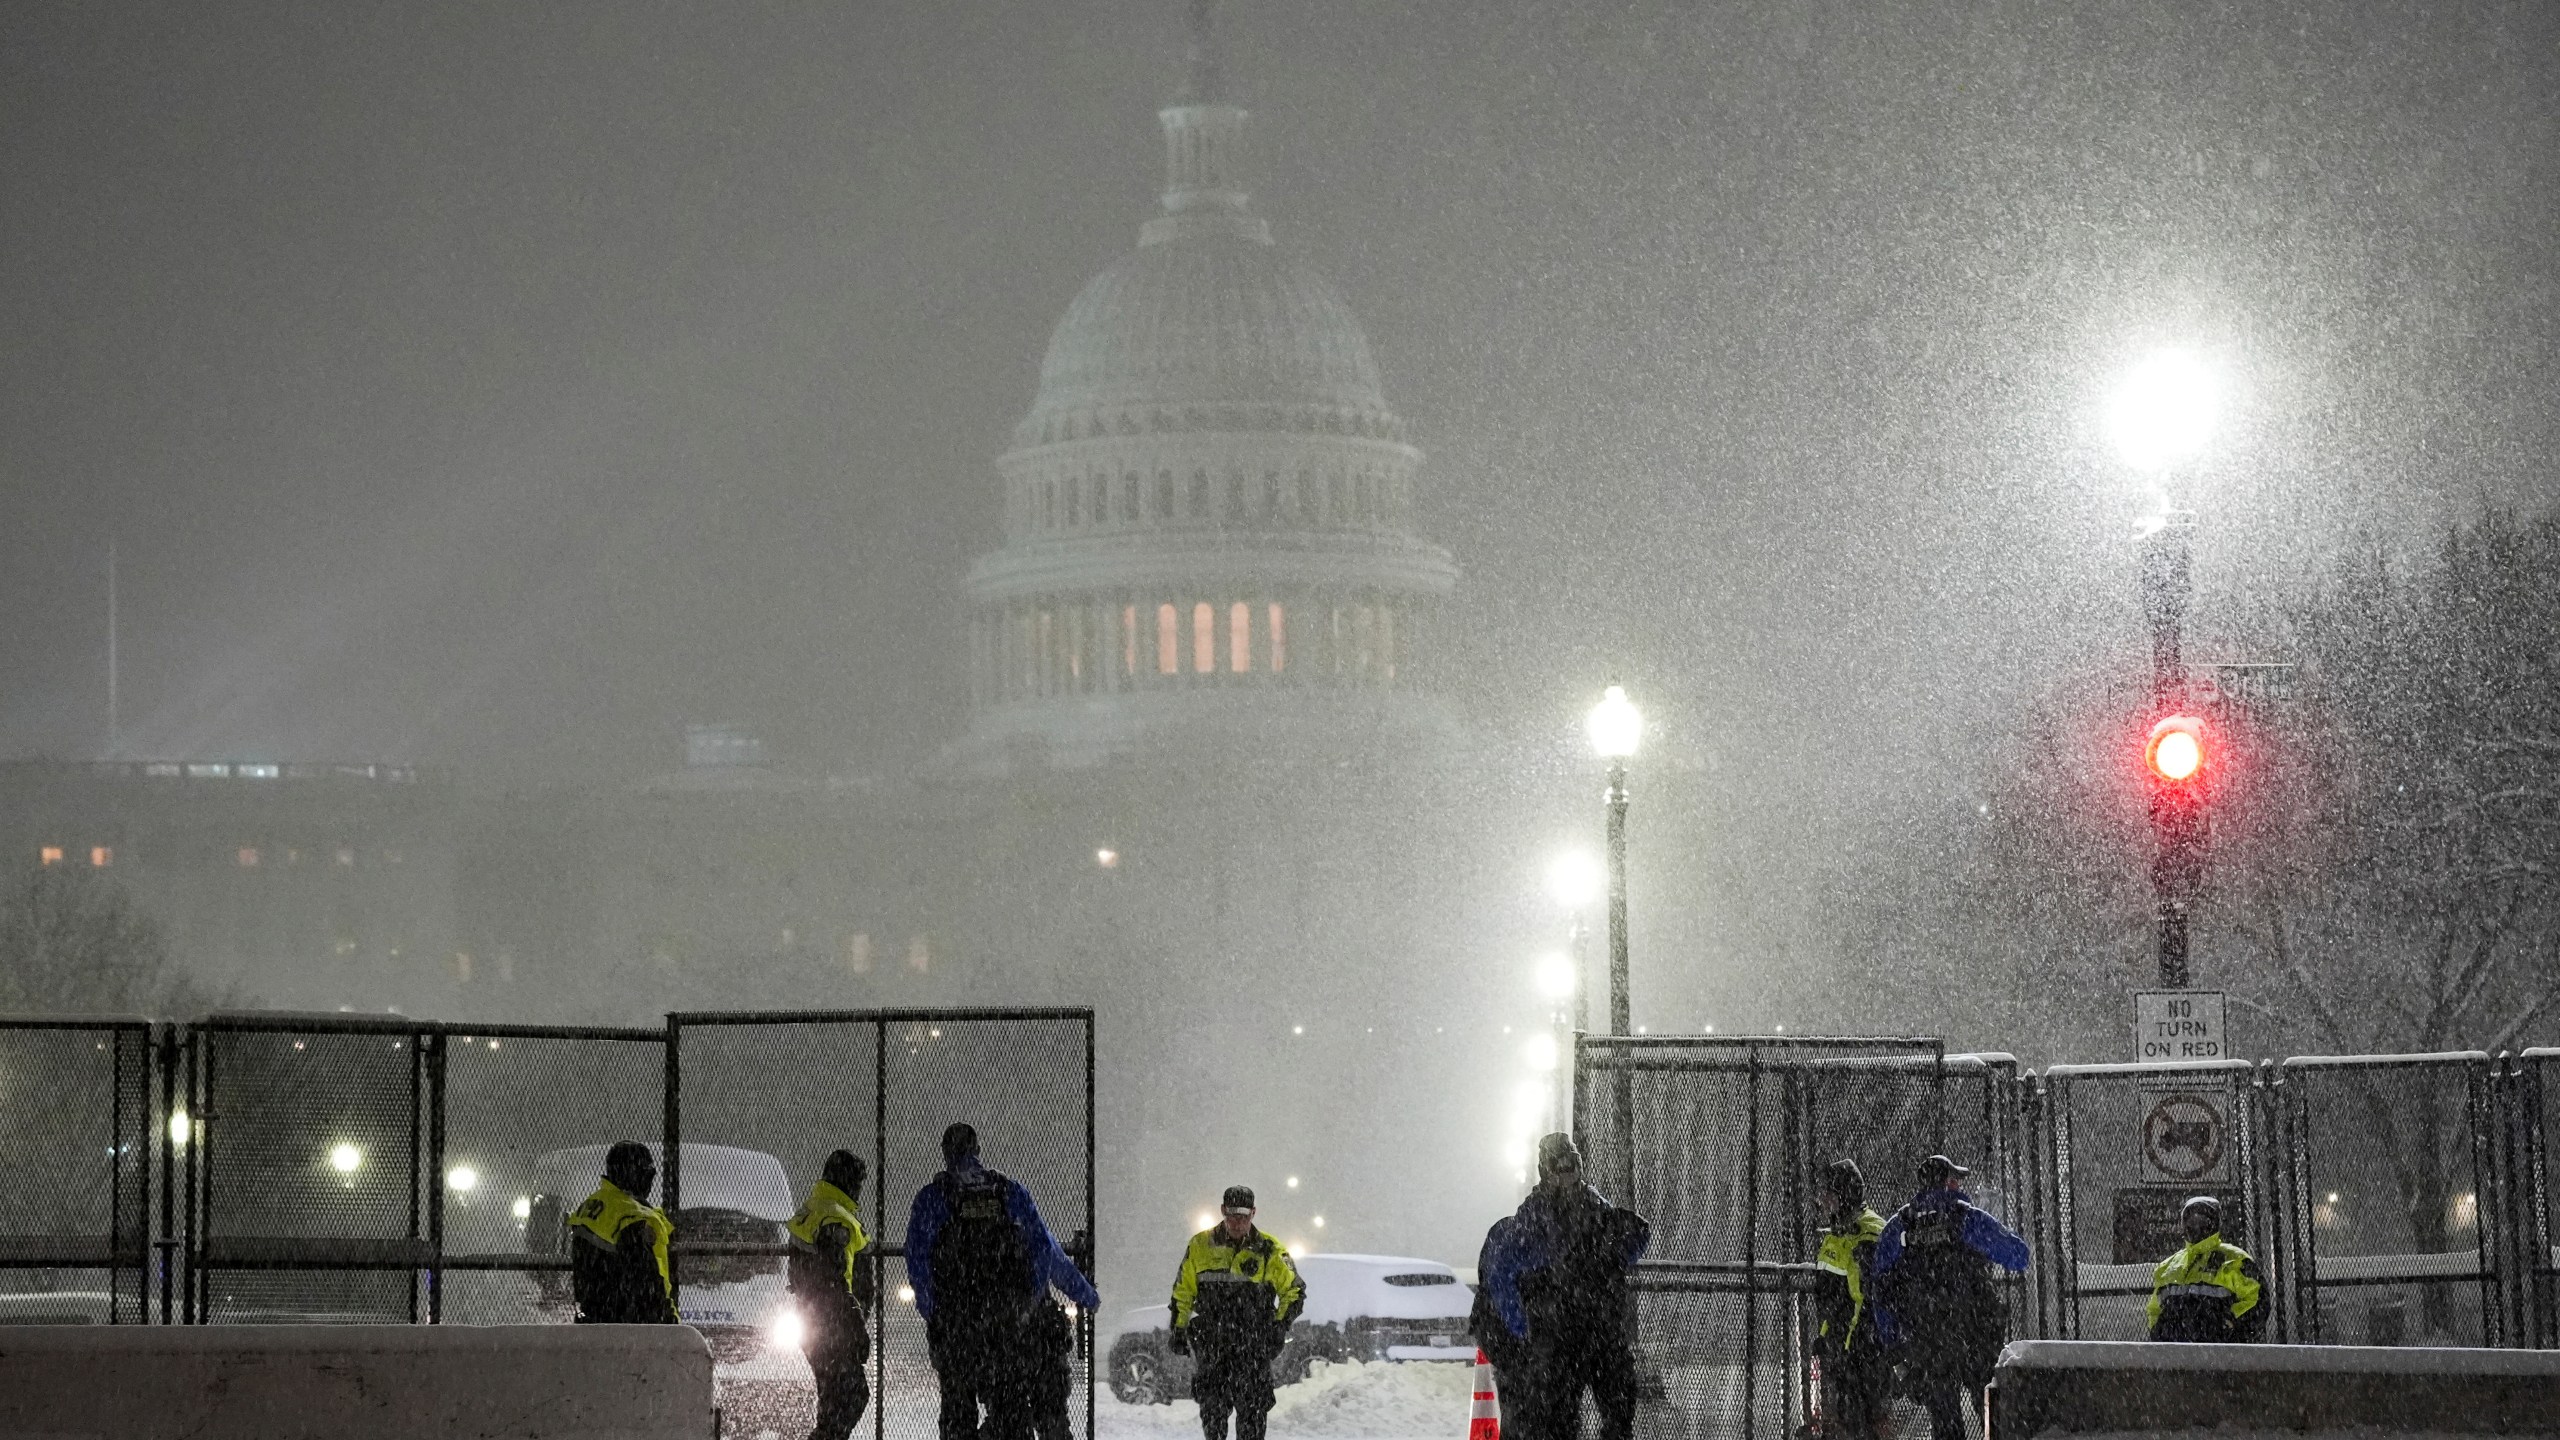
1208	512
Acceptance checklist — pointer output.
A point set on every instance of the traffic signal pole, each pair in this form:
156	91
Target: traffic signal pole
2177	813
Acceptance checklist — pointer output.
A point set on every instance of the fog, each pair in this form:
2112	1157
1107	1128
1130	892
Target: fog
505	388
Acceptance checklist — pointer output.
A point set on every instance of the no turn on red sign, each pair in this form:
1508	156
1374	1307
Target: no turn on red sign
2179	1025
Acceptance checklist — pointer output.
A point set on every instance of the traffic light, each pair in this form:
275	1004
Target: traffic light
2176	750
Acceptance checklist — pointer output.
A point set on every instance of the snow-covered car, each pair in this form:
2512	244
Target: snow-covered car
1359	1307
730	1195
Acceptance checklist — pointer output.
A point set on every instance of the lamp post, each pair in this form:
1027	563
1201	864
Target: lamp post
1615	724
1574	880
2158	418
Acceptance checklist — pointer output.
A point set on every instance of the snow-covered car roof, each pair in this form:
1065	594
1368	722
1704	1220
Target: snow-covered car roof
718	1177
1343	1288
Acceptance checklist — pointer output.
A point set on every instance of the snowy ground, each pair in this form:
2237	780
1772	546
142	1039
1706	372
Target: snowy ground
770	1399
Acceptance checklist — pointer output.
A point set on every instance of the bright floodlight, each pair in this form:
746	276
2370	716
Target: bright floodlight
344	1158
1555	975
1540	1052
462	1179
785	1328
523	1208
1615	723
1574	879
2162	411
179	1129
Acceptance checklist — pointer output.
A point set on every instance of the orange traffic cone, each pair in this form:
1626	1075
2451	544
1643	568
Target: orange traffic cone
1485	1421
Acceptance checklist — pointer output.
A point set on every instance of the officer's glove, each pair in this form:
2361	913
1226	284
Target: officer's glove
1180	1344
1279	1336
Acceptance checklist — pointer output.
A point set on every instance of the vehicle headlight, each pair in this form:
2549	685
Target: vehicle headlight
785	1329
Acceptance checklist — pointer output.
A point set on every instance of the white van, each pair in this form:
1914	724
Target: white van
731	1195
1359	1307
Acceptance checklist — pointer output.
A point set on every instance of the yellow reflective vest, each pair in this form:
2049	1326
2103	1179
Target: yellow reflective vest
1838	1257
2207	1292
1236	1289
610	1211
827	1206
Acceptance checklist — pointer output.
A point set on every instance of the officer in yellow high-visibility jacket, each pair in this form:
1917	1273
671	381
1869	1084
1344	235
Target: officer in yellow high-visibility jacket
1852	1335
1233	1301
2208	1292
618	1251
834	1289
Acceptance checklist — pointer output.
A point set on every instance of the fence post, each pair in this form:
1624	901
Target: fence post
435	1173
672	1145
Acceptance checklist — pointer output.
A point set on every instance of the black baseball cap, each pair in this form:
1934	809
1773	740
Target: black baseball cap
1238	1200
1938	1170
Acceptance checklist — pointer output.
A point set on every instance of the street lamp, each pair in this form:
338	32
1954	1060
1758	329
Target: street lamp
1615	725
2159	418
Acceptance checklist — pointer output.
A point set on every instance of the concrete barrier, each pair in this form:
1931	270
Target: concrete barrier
2116	1387
377	1382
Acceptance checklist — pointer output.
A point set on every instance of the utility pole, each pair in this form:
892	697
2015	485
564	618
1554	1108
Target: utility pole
2175	750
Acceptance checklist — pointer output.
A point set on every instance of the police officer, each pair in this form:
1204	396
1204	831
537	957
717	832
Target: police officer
834	1291
1233	1300
618	1263
1559	1283
2209	1291
1933	1263
1852	1333
981	1261
1506	1352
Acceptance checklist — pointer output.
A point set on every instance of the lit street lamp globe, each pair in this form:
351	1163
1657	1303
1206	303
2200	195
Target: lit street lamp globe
1555	975
2162	411
1615	723
1574	879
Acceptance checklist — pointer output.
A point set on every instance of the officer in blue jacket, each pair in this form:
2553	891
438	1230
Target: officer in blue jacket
1558	1281
981	1262
1933	1264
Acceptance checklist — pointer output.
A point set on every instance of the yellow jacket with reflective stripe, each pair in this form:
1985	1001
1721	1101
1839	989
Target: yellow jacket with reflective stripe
1240	1286
2213	1282
1839	1256
827	1206
609	1212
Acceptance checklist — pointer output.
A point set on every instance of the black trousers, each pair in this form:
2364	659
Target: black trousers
1857	1394
981	1365
1563	1367
1233	1381
844	1391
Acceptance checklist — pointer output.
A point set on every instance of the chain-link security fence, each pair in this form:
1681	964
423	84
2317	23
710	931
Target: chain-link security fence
310	1170
2533	1099
2387	1164
1717	1141
792	1087
524	1118
75	1171
2116	1151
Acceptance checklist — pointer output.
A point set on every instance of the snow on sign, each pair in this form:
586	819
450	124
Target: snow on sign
2178	1025
2186	1133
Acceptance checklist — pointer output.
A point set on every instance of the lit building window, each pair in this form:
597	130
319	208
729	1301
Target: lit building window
1387	641
1240	637
1204	639
462	966
248	857
1168	643
346	856
1279	638
50	855
1128	639
919	954
857	952
102	856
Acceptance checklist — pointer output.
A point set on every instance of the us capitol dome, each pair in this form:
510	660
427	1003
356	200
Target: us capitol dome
1208	511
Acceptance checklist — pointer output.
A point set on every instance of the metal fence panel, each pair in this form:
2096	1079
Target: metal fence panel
515	1102
2387	1239
2106	1215
884	1084
2535	1099
1716	1140
310	1161
75	1169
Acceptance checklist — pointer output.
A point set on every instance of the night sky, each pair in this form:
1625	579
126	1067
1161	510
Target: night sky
506	385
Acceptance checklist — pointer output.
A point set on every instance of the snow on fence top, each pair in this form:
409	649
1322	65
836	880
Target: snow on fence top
2156	1067
2277	1359
2332	1062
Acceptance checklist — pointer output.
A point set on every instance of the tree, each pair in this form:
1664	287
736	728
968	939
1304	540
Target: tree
72	942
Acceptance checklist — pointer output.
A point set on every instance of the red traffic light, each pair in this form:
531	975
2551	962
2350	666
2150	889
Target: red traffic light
2176	751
